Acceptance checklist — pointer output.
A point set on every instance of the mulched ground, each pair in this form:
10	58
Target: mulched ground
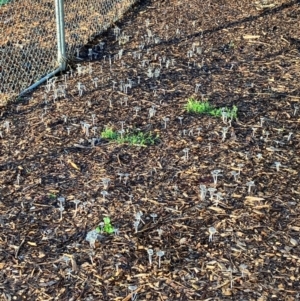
241	53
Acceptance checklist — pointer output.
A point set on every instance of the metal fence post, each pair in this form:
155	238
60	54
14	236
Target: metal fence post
61	46
60	31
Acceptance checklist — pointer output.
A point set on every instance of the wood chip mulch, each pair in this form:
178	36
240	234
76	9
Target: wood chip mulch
240	241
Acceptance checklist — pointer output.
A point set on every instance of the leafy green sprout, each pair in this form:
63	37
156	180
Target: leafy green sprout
2	2
204	107
109	133
106	228
52	196
135	138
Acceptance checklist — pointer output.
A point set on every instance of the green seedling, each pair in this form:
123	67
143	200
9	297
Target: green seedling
140	139
135	138
109	133
52	196
204	107
2	2
194	106
106	227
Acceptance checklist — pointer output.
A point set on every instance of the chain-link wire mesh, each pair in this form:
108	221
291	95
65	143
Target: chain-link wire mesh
85	19
28	41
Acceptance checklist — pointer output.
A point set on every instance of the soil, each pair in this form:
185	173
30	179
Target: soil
241	243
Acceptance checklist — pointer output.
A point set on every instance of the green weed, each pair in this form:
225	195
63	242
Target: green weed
204	107
110	134
2	2
106	228
52	196
135	138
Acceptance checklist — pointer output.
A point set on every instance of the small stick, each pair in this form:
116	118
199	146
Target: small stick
18	249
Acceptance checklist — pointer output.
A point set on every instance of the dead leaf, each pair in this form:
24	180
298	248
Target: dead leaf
73	164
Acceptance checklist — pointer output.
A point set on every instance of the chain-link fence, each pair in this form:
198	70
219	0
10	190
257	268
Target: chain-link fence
28	36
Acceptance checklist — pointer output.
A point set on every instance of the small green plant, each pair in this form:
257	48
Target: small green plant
140	139
52	196
204	107
194	106
2	2
135	138
105	226
109	133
